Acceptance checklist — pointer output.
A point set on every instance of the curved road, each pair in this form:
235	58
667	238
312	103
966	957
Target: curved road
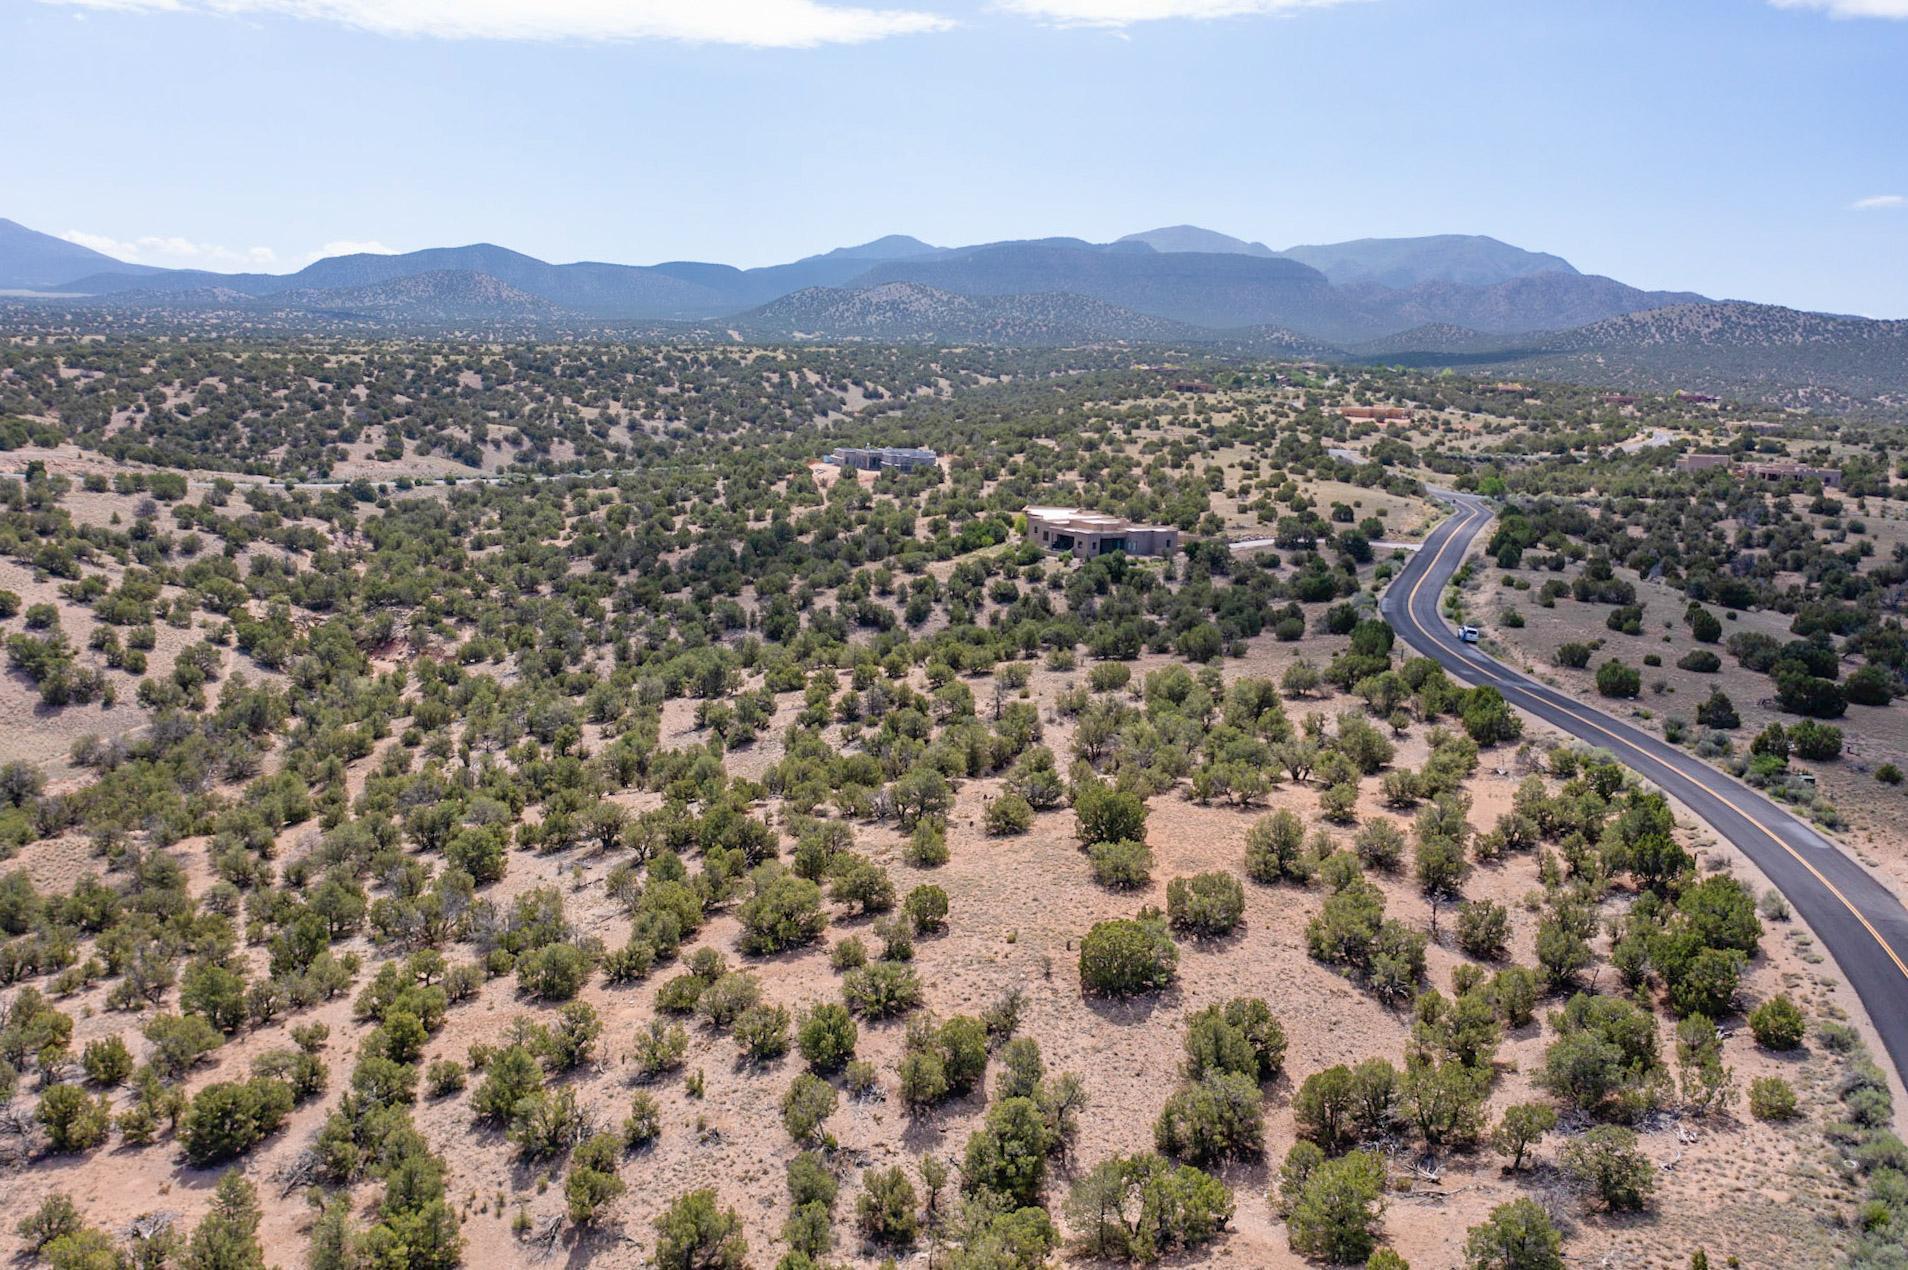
1856	916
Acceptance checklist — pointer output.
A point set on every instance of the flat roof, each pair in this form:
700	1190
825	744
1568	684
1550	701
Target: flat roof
1078	518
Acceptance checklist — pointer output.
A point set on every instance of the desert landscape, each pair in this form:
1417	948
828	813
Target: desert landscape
746	859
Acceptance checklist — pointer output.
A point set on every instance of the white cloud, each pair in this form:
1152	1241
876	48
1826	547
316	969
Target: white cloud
176	253
350	247
1850	8
1878	203
1122	13
760	23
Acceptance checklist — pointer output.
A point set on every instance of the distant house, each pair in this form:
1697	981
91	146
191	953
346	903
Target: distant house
902	458
1695	398
1088	534
1781	470
1618	399
1788	470
1374	412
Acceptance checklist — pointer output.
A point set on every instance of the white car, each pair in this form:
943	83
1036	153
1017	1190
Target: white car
1468	634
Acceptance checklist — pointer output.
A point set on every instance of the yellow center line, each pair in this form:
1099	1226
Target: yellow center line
1471	513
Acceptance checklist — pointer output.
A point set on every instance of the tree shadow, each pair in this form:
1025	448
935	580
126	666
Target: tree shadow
1132	1010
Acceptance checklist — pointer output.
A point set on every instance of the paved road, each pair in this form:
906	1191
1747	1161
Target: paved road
1856	916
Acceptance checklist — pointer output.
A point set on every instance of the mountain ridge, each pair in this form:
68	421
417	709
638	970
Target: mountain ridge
1470	301
1465	259
1180	273
33	261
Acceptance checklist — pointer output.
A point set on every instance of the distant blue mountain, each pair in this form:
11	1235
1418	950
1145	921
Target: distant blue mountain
1345	292
33	261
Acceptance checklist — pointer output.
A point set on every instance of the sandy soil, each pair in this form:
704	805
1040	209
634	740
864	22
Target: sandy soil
1019	906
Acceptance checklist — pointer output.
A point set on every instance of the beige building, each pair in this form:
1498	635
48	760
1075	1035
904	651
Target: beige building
1087	534
1790	471
1781	470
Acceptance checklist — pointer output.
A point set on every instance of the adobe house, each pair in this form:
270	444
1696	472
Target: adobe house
1790	471
1088	534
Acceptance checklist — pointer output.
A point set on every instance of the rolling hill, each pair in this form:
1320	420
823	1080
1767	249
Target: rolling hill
445	296
1534	302
1757	352
913	313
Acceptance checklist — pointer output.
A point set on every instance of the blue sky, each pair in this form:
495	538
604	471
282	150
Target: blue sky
1742	148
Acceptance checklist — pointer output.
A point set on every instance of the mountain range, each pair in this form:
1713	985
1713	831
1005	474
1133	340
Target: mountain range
1343	292
1440	300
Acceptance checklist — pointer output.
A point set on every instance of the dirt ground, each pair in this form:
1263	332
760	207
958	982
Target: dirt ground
1872	736
1770	1195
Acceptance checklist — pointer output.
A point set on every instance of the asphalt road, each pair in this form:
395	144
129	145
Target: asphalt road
1856	916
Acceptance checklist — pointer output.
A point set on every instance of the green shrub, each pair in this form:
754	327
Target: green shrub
1241	1037
1516	1236
1122	865
881	990
1275	849
1335	1213
784	912
696	1233
57	1216
76	1121
107	1062
1104	814
886	1211
1139	1208
547	1123
1718	711
761	1032
1006	1158
926	908
643	1125
1483	929
1606	1160
1778	1024
511	1075
1380	845
1772	1098
1614	679
224	1120
1217	1117
1206	905
444	1077
826	1037
723	1001
807	1103
1573	656
1126	956
1523	1127
1008	815
592	1181
555	972
1818	742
